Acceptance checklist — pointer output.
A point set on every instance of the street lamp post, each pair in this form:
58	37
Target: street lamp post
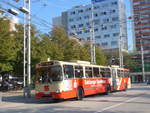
142	59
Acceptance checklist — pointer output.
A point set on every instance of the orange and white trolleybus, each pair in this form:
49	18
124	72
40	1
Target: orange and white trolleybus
64	80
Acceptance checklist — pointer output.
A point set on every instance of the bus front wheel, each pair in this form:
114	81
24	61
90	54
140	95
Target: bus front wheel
80	93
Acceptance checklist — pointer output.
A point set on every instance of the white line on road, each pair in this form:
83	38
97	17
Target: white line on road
116	105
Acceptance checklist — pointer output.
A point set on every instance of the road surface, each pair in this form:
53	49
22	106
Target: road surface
134	100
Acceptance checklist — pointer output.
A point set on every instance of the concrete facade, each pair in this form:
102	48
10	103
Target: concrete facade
109	23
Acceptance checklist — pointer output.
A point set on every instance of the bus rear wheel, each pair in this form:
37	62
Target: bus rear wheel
108	90
80	93
125	87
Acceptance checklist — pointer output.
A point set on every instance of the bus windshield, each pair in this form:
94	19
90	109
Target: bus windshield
49	74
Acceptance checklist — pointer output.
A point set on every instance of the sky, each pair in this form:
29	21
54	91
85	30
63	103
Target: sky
47	9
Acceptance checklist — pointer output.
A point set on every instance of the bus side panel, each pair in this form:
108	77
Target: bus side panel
93	86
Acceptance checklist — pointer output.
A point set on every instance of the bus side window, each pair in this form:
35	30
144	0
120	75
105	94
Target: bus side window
96	72
68	71
102	71
78	71
88	72
108	72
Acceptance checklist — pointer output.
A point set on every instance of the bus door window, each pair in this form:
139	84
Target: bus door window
122	73
78	72
88	72
68	71
96	72
126	74
119	73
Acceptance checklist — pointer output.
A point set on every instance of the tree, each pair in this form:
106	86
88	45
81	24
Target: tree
7	45
100	57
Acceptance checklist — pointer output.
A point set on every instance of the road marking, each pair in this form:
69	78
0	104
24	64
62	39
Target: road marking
116	105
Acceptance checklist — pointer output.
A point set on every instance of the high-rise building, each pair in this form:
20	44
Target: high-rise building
141	21
141	14
109	23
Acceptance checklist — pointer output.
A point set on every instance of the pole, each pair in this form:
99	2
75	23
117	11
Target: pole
29	45
92	38
24	49
142	58
120	52
29	49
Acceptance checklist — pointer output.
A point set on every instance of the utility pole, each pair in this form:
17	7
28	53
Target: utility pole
142	59
92	38
24	49
120	51
27	48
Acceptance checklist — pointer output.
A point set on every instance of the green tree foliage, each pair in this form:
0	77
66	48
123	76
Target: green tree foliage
56	46
131	64
7	47
100	57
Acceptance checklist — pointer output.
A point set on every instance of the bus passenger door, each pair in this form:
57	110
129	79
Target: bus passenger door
114	82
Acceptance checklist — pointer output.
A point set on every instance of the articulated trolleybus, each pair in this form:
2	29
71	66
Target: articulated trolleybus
64	80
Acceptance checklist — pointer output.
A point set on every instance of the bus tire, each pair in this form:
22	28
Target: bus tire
108	90
80	94
125	87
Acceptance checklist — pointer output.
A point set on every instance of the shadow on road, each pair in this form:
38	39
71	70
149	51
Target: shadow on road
20	99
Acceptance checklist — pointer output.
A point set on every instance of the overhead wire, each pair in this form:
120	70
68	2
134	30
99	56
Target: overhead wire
42	22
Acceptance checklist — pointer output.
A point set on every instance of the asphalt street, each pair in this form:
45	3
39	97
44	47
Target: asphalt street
134	100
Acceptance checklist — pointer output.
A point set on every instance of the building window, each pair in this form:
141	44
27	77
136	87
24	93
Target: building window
80	25
79	18
96	29
88	38
86	17
80	11
115	34
97	37
104	28
88	9
114	3
114	43
103	13
73	13
96	7
105	20
104	44
86	31
79	32
115	19
113	26
96	22
112	11
106	35
95	15
73	26
70	20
